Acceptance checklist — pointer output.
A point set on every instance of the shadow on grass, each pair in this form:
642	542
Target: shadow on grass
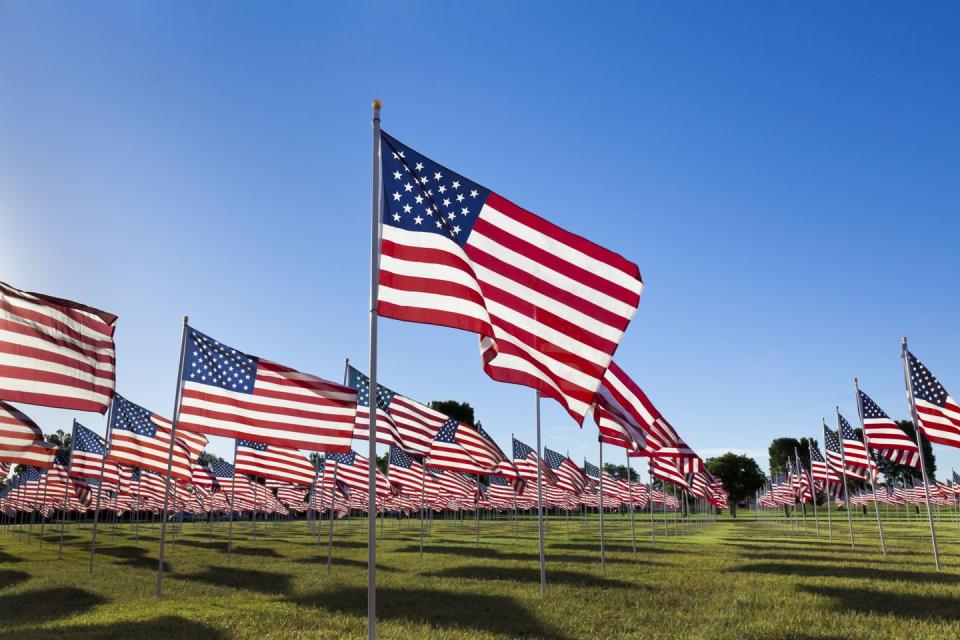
267	582
624	548
9	577
473	552
532	576
920	607
445	609
56	538
135	557
49	604
260	552
7	558
320	562
214	545
166	627
864	573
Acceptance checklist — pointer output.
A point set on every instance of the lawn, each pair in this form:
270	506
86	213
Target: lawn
743	578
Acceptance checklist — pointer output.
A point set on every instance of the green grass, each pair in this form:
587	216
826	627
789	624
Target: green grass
737	579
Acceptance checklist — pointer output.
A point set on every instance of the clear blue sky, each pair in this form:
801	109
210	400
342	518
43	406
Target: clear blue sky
785	175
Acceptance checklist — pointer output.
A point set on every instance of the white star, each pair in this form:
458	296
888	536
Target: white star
396	175
464	211
418	219
437	176
459	197
439	225
419	199
456	229
407	208
408	187
396	217
442	189
419	166
452	216
446	202
396	195
474	193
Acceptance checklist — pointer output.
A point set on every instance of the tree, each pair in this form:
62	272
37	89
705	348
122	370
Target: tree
620	471
780	451
902	473
62	439
741	476
461	411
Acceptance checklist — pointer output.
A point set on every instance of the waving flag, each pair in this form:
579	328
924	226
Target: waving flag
819	468
89	450
236	395
352	470
853	449
203	477
667	469
526	461
401	422
54	352
406	473
835	459
273	462
453	483
937	412
570	477
459	447
140	438
21	440
549	306
885	436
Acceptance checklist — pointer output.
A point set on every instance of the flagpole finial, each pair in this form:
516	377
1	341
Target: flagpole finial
186	319
377	104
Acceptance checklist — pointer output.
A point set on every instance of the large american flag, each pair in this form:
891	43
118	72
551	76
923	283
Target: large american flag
140	438
459	447
236	395
937	411
885	436
89	450
667	469
835	459
570	477
550	307
21	440
401	422
405	472
819	468
352	470
853	449
55	352
273	462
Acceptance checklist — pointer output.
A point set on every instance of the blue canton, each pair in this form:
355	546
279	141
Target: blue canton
87	441
361	383
128	416
213	363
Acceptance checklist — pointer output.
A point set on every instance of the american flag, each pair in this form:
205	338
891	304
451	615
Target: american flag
501	491
884	436
89	450
667	469
54	352
570	477
937	411
526	461
853	449
236	395
835	459
140	438
401	422
21	440
203	477
453	483
818	466
405	472
550	307
459	447
273	462
505	467
352	470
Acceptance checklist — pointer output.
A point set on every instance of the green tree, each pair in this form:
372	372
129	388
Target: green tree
461	411
780	451
62	439
620	471
741	476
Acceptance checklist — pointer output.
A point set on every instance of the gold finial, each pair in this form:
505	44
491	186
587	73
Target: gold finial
377	104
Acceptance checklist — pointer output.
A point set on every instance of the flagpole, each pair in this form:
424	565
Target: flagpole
813	491
873	483
543	565
923	463
653	533
96	510
843	462
633	530
66	488
823	421
423	484
333	501
375	231
603	560
803	503
173	437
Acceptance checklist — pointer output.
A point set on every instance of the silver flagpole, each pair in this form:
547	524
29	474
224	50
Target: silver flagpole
633	531
827	465
173	437
803	507
66	487
375	231
423	484
843	462
333	502
603	560
873	483
96	510
813	490
233	503
313	498
543	563
653	532
923	463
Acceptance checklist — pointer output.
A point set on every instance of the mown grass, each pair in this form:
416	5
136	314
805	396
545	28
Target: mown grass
740	578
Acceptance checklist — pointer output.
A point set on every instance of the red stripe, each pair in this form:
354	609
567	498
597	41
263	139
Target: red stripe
57	327
328	447
235	401
425	315
36	375
416	284
58	402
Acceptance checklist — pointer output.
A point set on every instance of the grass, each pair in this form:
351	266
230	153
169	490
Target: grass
743	578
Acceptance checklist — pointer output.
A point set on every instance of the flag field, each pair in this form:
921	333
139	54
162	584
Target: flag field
735	578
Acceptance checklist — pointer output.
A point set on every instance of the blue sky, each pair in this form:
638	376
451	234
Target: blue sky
785	175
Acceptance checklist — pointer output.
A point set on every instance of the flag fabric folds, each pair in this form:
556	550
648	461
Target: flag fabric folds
140	438
937	412
236	395
550	307
21	440
884	435
273	463
54	352
87	457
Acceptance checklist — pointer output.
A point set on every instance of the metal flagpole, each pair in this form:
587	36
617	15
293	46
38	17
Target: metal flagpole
923	463
603	560
375	232
96	510
543	565
873	481
66	488
476	509
653	533
633	531
313	496
423	484
173	437
843	463
827	465
803	507
333	502
813	490
253	518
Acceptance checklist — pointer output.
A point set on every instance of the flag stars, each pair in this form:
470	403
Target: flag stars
396	196
474	193
418	220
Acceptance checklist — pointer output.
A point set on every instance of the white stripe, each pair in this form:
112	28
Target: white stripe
60	390
433	301
265	415
103	375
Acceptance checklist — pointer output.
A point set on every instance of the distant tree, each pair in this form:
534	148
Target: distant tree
780	451
206	457
620	471
741	476
461	411
62	439
382	462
